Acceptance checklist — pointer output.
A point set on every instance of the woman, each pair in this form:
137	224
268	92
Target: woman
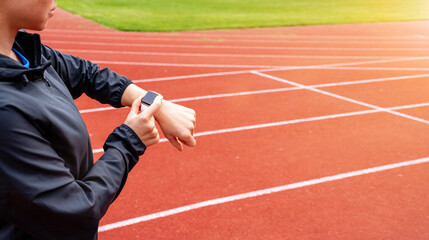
50	187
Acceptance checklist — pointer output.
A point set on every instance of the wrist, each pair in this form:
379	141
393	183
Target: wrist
131	93
161	111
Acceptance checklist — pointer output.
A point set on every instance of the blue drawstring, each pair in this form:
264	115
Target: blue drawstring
24	61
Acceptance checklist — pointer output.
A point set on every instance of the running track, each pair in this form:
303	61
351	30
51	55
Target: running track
317	132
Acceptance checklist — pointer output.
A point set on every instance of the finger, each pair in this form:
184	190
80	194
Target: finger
153	107
195	125
136	105
153	139
176	143
189	141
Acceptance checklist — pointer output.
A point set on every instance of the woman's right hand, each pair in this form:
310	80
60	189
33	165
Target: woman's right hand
143	123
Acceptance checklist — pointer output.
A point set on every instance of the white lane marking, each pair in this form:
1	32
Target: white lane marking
371	80
202	97
271	91
265	125
184	64
298	88
379	68
191	76
215	39
267	68
330	66
247	71
295	121
323	66
102	109
279	68
262	192
241	35
235	47
229	55
342	98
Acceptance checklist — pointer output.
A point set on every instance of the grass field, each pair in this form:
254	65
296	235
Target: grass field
179	15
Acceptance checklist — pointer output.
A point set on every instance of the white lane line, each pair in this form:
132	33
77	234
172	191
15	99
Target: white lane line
299	88
370	80
342	98
310	119
267	68
262	192
234	47
215	39
228	55
379	68
278	68
282	123
201	98
283	35
272	91
417	105
247	71
265	125
191	76
295	121
184	64
102	109
330	66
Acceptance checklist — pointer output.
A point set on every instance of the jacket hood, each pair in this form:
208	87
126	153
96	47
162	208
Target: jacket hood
29	45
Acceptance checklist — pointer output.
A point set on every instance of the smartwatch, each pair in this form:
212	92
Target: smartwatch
148	99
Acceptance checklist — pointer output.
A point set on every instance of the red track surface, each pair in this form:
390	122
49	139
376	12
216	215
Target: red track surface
275	106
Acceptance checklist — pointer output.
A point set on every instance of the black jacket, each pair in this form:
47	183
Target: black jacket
50	187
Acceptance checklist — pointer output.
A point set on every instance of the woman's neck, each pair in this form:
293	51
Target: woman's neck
7	38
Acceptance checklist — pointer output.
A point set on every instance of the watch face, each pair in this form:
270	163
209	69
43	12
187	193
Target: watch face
149	97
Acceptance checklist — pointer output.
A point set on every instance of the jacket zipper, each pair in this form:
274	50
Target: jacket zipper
46	81
58	91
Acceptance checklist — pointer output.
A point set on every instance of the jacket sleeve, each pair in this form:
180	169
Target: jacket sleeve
37	191
81	76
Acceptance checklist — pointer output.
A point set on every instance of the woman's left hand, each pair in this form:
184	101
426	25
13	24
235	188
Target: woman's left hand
177	123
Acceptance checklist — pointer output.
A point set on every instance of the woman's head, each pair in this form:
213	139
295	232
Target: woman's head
27	14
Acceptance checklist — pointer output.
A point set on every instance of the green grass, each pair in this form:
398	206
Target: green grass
179	15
